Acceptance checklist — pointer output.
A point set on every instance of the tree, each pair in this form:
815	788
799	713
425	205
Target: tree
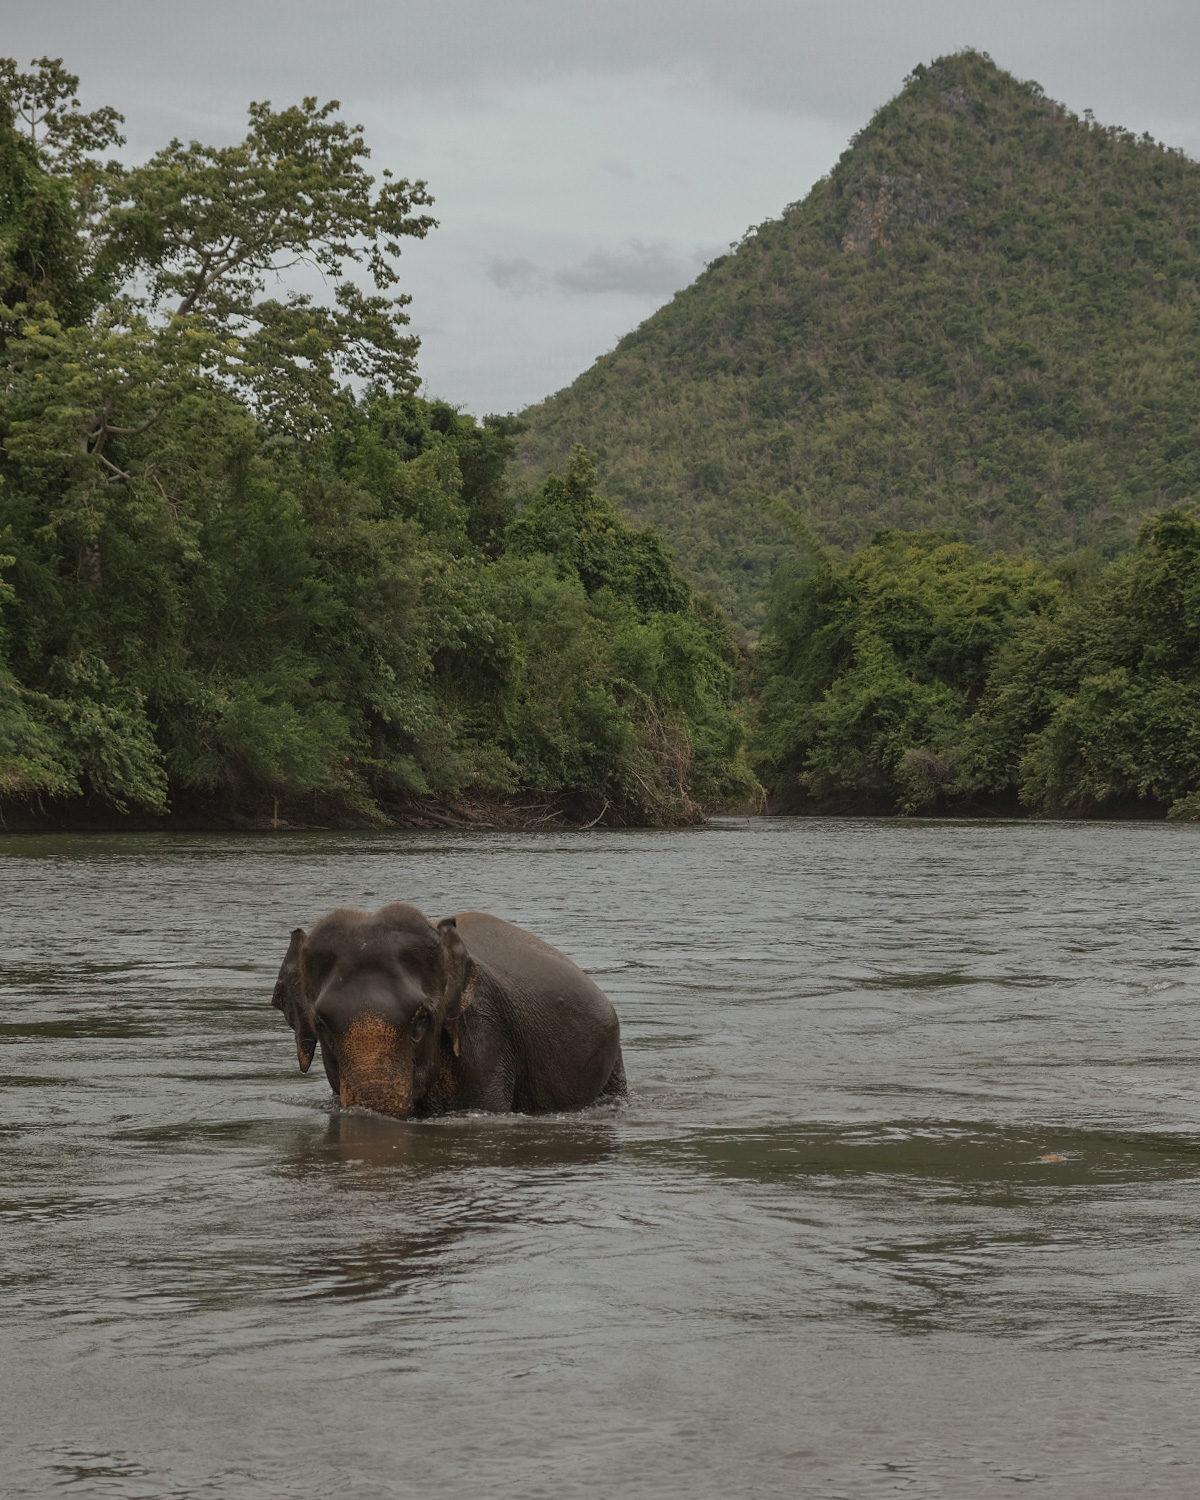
1098	704
137	331
872	665
45	107
921	672
186	245
245	563
570	520
47	185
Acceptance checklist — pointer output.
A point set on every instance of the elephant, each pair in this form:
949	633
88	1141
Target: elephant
471	1014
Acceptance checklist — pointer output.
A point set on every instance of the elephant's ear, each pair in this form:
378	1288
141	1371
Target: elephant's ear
459	973
290	998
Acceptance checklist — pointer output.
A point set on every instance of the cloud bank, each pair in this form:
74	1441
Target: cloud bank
579	154
633	270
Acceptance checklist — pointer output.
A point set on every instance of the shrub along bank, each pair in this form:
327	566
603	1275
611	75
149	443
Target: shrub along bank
922	675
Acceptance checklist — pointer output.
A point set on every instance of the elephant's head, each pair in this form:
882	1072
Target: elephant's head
384	993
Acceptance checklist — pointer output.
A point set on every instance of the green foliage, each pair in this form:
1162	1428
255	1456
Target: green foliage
570	521
48	186
226	576
983	318
206	228
1100	704
871	664
44	105
922	672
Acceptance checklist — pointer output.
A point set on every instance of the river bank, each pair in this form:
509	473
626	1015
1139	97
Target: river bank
520	812
265	814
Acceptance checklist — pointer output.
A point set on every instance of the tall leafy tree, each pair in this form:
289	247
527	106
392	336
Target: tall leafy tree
923	673
871	665
1098	704
50	186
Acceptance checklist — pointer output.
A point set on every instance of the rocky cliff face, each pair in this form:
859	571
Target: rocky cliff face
881	211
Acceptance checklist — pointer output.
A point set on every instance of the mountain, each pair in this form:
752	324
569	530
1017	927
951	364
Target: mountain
985	318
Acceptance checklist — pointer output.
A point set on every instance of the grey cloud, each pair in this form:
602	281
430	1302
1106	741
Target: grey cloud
519	278
512	329
638	270
634	270
802	56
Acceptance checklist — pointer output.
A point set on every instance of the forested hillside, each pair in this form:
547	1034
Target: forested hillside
246	574
985	317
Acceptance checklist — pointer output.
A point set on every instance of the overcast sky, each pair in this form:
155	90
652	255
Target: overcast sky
588	158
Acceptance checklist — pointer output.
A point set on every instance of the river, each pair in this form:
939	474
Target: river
904	1200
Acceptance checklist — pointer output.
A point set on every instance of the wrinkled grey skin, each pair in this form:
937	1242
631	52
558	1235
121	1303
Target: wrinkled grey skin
474	1013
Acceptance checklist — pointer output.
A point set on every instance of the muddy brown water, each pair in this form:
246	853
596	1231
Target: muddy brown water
905	1200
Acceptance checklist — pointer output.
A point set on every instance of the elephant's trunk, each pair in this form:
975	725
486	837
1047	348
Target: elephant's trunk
375	1066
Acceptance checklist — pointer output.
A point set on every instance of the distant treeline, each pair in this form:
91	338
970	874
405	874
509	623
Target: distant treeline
245	568
921	674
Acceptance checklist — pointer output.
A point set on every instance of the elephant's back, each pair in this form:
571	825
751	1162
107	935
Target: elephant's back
564	1023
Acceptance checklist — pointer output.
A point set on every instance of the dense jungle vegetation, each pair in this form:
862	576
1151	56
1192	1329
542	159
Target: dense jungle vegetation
248	574
921	674
985	318
245	571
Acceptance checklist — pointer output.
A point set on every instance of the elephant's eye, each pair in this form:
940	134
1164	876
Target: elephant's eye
420	1024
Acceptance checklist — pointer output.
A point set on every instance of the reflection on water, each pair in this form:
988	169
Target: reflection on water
437	1146
903	1200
